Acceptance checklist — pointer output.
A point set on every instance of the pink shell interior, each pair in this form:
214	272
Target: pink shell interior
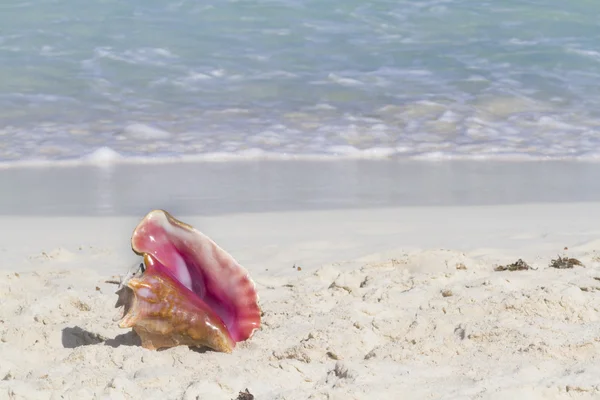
211	273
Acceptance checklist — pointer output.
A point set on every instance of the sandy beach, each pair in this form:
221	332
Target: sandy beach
359	303
411	187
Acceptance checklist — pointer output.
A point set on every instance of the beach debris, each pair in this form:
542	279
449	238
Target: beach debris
565	263
245	395
188	291
80	305
518	265
460	332
366	281
579	389
447	293
461	266
341	371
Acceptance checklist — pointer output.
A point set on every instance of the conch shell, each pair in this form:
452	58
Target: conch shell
189	291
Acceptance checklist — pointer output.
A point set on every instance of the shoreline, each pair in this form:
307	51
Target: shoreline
271	186
105	157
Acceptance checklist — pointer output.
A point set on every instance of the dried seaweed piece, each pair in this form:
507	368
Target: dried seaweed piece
565	263
518	265
245	395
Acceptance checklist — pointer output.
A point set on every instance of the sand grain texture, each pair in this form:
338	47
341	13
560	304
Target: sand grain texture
426	323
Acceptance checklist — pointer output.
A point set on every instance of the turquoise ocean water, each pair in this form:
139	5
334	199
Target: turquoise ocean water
429	79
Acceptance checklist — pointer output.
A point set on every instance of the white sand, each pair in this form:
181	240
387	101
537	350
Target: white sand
380	307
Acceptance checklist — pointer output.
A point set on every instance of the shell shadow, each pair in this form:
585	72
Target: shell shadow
126	339
73	337
76	337
201	350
